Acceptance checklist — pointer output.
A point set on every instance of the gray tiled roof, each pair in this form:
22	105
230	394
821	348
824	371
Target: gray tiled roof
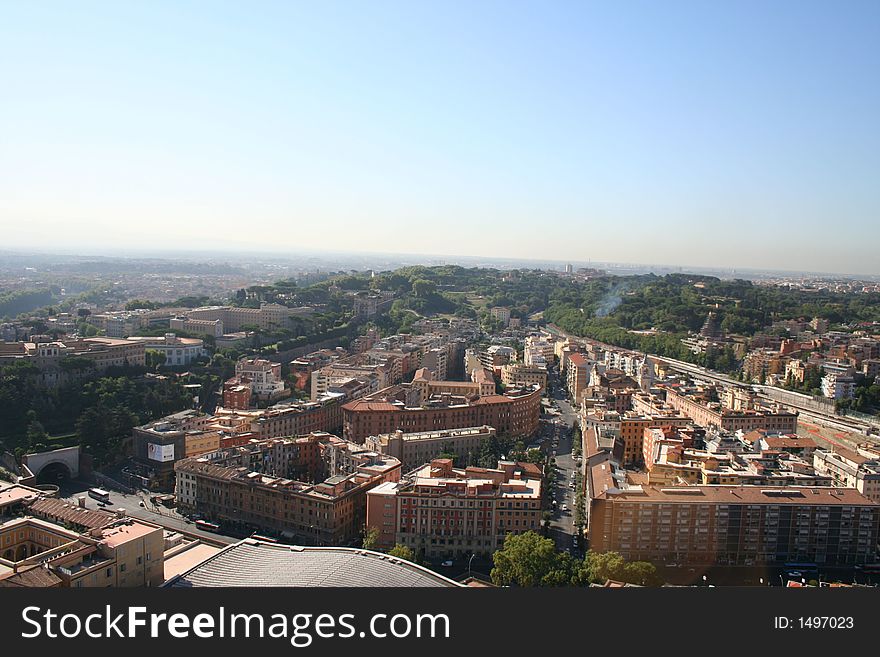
255	563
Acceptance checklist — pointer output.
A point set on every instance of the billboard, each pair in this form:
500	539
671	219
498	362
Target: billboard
160	452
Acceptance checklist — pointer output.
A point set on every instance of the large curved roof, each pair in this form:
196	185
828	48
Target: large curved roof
262	564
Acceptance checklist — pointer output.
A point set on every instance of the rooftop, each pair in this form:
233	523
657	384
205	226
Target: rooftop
255	563
16	494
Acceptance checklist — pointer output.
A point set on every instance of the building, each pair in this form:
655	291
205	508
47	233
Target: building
263	377
838	381
520	375
712	414
252	563
177	351
577	376
500	314
859	470
311	489
61	361
268	317
414	449
496	355
116	551
515	413
207	327
732	525
441	511
538	349
158	444
482	384
367	304
283	419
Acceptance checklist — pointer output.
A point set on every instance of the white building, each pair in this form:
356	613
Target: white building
839	381
178	351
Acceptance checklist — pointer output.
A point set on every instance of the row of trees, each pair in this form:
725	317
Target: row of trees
529	559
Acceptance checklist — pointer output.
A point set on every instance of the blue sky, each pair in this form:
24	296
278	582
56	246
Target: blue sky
696	133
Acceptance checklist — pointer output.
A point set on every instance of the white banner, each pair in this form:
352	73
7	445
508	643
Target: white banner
160	452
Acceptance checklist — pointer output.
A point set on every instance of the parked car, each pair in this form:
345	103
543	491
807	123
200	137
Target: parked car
447	563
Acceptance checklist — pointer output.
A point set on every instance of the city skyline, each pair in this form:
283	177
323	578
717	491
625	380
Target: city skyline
730	137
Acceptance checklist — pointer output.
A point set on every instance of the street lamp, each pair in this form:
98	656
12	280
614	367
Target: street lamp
469	563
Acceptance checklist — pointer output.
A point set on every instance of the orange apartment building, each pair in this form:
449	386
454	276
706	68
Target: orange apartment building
440	511
311	489
516	413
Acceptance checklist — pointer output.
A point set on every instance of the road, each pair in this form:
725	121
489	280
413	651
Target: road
159	515
562	526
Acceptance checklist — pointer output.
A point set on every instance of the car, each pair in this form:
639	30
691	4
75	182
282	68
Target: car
447	563
565	507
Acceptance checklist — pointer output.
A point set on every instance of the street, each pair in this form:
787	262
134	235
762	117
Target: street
168	518
562	526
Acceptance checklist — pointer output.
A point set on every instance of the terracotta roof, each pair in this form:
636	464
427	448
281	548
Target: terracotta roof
66	512
36	577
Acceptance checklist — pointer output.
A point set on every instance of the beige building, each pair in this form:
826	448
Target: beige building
859	470
123	552
518	375
415	449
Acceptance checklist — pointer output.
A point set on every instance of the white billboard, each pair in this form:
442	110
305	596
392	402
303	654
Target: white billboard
160	452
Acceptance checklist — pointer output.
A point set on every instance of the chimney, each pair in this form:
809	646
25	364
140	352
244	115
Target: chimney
81	500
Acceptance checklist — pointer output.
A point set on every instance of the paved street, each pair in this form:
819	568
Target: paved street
562	527
131	503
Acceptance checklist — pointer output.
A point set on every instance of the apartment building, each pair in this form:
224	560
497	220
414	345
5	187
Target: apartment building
713	414
733	525
577	376
311	489
518	375
441	511
263	377
500	314
838	381
515	413
848	469
415	449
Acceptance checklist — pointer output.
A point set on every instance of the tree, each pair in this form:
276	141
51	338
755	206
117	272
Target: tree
603	566
423	288
642	573
154	358
371	537
529	559
83	313
402	552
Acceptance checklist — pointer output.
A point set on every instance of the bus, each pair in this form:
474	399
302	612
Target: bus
100	494
265	539
204	525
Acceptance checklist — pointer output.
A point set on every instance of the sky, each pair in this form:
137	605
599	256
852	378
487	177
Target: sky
740	134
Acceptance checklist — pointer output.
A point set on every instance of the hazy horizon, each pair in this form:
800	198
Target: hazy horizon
740	136
430	259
